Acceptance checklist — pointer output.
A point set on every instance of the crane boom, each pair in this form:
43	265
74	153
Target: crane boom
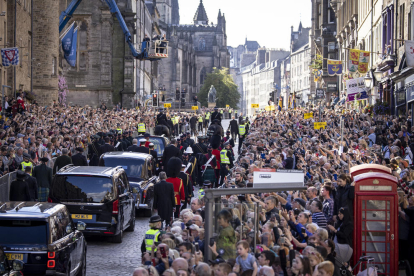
66	15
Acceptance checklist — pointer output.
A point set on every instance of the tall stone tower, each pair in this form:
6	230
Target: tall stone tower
45	50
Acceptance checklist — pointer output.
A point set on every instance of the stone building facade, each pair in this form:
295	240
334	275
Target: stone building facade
300	79
194	50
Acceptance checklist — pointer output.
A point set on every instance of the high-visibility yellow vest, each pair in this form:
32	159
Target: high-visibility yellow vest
223	157
201	193
221	111
141	127
244	118
119	130
151	236
27	164
242	129
200	119
208	116
177	119
173	120
231	110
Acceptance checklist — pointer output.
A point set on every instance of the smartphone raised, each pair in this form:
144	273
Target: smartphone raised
212	241
197	247
163	253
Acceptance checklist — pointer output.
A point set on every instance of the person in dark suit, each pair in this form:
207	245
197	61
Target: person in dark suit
234	128
216	115
106	147
19	190
142	148
164	199
62	161
170	151
44	176
134	147
32	184
79	159
93	151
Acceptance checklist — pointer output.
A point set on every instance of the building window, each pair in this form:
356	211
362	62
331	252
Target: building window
54	66
402	17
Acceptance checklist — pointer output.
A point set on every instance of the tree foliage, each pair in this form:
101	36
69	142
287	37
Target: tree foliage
227	93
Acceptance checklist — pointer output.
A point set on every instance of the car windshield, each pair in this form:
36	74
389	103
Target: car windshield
132	166
82	188
158	145
23	232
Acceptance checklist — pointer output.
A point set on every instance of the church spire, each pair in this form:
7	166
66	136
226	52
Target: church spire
200	16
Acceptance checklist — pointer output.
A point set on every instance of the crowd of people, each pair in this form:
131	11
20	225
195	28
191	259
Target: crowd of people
298	233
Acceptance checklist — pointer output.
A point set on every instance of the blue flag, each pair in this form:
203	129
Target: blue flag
67	40
71	57
334	67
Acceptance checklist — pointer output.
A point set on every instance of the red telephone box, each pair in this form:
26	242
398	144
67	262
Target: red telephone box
376	220
369	168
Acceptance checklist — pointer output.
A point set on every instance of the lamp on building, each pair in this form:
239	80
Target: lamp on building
378	74
368	79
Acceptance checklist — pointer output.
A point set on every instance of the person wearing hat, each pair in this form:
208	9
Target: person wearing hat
19	190
93	151
79	159
226	162
173	170
188	140
44	176
120	145
170	151
142	148
125	139
147	140
107	147
216	115
153	234
188	186
243	129
26	162
229	139
141	127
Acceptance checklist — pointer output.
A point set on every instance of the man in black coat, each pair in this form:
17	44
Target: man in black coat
107	147
161	118
134	147
216	116
142	148
170	151
164	199
193	124
93	151
234	128
31	183
188	187
62	161
19	190
79	159
43	175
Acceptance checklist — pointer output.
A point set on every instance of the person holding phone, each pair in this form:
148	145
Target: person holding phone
162	255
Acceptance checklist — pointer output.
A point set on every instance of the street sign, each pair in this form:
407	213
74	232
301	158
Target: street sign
255	105
194	107
319	125
308	115
278	179
320	93
166	105
227	106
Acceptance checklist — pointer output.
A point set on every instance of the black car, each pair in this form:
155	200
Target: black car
98	196
44	237
138	169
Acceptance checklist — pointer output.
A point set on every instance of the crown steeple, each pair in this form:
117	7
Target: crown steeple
200	17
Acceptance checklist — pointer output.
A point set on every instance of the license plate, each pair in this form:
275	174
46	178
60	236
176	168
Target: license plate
12	257
74	216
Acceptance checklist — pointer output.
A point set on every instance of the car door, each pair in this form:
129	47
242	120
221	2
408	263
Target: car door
78	242
128	188
125	216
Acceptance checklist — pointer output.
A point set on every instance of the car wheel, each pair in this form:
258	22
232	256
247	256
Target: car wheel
131	227
118	238
82	269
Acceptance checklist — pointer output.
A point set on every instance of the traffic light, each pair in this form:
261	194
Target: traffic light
272	96
177	94
154	100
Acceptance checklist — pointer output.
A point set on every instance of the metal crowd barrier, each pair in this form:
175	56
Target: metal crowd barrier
5	185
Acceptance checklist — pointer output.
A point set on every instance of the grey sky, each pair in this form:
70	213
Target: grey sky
267	21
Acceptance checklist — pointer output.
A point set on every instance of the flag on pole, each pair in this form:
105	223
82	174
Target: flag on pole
10	57
71	57
67	40
334	67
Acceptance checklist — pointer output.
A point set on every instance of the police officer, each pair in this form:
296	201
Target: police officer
141	127
207	119
243	128
26	163
216	116
176	124
226	161
200	123
206	185
153	234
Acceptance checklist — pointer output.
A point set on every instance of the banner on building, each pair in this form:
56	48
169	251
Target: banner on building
10	57
334	67
358	61
71	57
317	75
356	89
67	40
409	53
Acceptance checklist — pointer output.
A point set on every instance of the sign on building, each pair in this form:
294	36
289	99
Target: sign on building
278	179
320	93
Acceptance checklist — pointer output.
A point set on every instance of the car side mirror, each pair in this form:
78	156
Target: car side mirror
134	190
18	265
81	226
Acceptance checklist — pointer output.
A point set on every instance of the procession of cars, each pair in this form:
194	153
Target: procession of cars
47	238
